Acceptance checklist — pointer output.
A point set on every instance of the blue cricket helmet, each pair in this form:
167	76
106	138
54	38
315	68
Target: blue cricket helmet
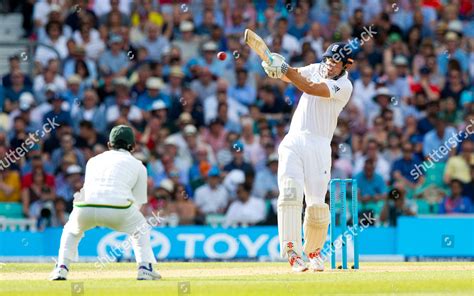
339	51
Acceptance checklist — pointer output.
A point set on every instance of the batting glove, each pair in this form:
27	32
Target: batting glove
277	68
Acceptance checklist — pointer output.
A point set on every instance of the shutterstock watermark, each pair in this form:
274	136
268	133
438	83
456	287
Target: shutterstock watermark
351	232
356	41
349	47
12	156
439	153
184	288
77	288
118	251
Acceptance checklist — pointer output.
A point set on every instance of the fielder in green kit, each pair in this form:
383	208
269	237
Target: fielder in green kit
114	189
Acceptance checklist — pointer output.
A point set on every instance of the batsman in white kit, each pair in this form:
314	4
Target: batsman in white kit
114	189
305	152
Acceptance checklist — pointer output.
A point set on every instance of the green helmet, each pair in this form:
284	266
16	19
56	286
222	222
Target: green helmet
122	136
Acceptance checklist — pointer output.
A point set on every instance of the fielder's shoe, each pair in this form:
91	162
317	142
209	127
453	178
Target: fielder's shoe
316	263
59	273
297	264
146	273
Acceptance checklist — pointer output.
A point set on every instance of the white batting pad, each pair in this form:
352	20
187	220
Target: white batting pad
315	227
290	203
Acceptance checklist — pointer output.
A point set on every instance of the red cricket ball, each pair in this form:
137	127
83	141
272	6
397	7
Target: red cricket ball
221	55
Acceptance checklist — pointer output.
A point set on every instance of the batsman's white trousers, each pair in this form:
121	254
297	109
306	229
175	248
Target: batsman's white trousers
304	167
307	159
130	221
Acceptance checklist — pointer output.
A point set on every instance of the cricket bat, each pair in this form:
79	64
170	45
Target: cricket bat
258	45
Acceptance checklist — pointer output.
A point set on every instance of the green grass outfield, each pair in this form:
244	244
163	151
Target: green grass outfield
242	278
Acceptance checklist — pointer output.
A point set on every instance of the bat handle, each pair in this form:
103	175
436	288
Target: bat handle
269	55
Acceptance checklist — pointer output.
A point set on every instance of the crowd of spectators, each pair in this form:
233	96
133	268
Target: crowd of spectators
208	130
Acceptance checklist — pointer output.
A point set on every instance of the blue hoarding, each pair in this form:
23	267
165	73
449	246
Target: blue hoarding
442	236
412	237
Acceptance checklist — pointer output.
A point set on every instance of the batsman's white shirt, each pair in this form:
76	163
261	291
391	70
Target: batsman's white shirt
115	177
316	115
305	152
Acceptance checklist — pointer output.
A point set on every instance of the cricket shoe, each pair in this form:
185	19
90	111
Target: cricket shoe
59	273
316	263
297	264
146	273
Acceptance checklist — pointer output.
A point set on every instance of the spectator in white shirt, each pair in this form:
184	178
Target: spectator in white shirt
41	11
396	79
316	40
205	86
364	91
156	44
235	109
56	40
370	8
212	197
266	180
254	151
382	166
89	38
289	42
385	100
48	78
246	210
55	14
188	43
101	8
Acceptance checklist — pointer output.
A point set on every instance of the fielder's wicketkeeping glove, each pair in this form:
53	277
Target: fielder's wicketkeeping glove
277	68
